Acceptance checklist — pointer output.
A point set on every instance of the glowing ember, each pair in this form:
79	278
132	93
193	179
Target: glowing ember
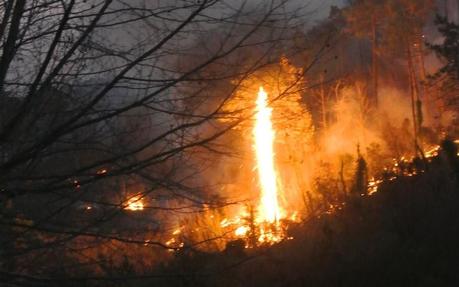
404	167
134	204
264	139
171	241
373	185
102	171
241	231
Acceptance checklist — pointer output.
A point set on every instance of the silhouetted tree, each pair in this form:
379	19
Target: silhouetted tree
450	149
447	77
360	184
93	116
364	19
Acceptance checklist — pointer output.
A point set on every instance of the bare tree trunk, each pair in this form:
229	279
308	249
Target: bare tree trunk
446	9
413	93
374	60
9	47
342	181
419	54
457	16
322	101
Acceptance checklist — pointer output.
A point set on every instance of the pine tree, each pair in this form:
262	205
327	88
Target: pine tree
450	150
360	186
446	79
448	51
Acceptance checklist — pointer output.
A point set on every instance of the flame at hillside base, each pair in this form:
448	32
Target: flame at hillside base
266	220
264	136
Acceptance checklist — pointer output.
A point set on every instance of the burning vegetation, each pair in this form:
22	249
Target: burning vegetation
212	143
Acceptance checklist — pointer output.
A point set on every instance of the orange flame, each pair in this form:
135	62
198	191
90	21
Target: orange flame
135	204
269	222
264	136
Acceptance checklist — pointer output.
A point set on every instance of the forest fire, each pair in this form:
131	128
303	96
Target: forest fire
264	135
265	221
268	216
229	143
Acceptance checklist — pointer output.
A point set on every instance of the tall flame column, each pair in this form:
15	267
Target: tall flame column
264	136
